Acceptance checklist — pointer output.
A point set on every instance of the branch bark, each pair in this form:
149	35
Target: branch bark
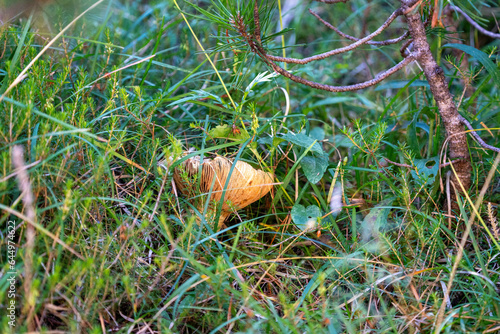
444	100
340	33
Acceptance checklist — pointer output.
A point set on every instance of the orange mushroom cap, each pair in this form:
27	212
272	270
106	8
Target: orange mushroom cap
246	184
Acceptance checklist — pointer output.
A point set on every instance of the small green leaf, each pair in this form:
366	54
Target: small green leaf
265	140
277	141
302	140
482	57
317	133
220	131
427	169
306	218
423	126
314	167
271	141
225	131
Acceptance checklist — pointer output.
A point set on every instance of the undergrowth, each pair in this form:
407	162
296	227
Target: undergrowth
126	93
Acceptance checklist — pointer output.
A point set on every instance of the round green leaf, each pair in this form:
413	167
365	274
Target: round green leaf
306	218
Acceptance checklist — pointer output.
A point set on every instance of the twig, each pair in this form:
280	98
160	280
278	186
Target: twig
474	23
449	163
378	78
441	93
399	164
476	136
354	45
386	42
152	215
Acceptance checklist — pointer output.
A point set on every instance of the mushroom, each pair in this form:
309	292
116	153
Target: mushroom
245	186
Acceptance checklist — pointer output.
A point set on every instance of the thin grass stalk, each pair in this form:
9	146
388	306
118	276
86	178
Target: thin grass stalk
28	202
460	253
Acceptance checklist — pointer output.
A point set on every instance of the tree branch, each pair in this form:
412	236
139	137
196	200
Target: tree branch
361	41
257	48
378	78
476	136
386	42
474	23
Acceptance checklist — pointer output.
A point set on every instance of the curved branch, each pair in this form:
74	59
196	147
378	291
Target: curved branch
258	49
474	23
336	89
476	136
386	42
341	50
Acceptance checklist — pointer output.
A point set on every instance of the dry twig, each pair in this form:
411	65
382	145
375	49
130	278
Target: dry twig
474	23
379	43
476	136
